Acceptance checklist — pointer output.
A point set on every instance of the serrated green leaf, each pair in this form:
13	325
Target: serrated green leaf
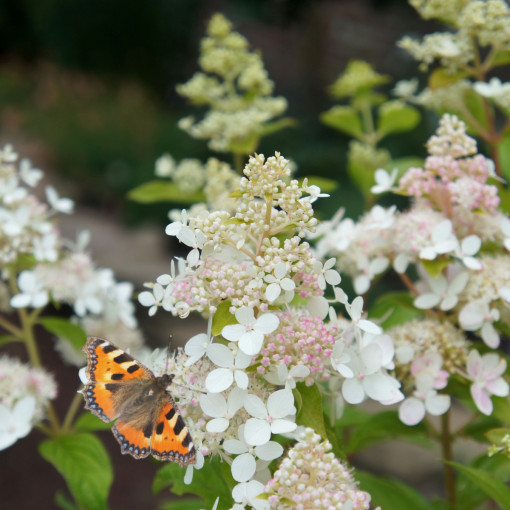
65	329
397	117
385	426
441	78
83	462
491	486
435	267
87	422
222	317
344	118
163	191
208	483
396	307
391	494
326	185
310	413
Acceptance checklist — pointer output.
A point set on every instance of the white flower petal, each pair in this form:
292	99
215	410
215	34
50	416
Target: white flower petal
217	425
233	332
269	451
213	404
282	426
281	403
257	432
243	467
220	355
219	380
411	411
255	407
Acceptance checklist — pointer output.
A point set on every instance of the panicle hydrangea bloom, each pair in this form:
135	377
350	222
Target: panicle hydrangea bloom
234	86
310	476
24	395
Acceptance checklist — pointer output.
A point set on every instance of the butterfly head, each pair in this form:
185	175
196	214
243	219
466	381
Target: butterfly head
165	380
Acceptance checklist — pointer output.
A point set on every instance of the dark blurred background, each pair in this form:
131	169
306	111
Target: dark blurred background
87	91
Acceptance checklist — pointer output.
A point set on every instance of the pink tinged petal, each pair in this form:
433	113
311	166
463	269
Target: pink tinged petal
269	451
243	467
251	342
371	356
474	364
234	446
411	411
241	379
498	387
281	403
352	391
220	355
257	432
471	317
282	426
255	407
436	404
369	327
481	399
233	332
490	335
427	301
266	323
273	291
219	380
217	425
213	404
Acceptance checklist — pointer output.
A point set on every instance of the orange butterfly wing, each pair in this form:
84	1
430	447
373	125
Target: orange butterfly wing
107	367
132	440
171	439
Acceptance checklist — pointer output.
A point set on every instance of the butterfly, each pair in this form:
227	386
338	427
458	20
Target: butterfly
121	388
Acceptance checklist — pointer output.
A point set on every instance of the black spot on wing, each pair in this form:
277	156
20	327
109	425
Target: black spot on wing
109	348
133	368
117	377
159	427
112	387
170	414
122	358
179	425
187	440
147	430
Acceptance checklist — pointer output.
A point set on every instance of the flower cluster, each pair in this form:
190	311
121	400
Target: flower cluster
251	272
454	212
235	87
38	266
24	395
310	476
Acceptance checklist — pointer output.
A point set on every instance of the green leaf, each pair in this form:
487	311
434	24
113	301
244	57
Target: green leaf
62	502
501	409
391	494
273	127
163	191
502	58
87	422
404	164
385	426
497	435
492	487
5	339
396	307
440	77
188	504
435	267
343	118
208	483
63	328
310	413
396	117
83	462
245	145
222	317
326	185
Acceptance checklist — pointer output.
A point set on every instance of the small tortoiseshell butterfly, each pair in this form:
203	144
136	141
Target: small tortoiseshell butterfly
122	388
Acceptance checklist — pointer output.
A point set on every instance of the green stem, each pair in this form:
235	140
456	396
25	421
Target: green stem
76	404
238	162
11	328
449	474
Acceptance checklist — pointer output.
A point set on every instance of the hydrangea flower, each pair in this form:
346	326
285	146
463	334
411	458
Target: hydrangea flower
17	422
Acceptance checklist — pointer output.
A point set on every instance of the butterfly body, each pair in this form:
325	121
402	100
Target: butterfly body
147	422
